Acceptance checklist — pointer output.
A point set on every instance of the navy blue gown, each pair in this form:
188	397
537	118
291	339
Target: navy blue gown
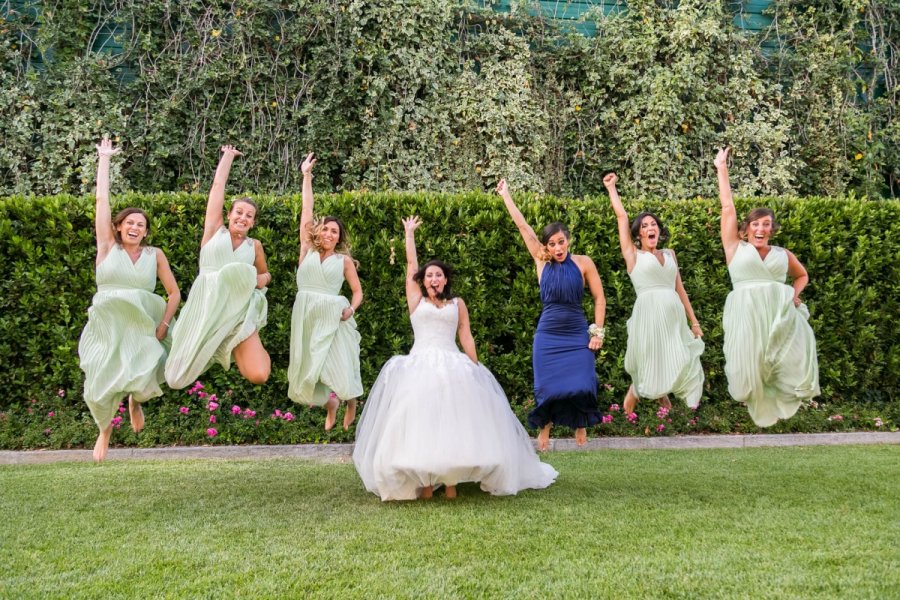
565	379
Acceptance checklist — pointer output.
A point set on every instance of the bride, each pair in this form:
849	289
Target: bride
438	417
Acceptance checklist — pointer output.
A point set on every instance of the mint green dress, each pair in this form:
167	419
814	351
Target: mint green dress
770	349
324	350
223	309
119	352
662	356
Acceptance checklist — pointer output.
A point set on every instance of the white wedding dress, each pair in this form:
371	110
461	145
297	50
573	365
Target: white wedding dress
436	418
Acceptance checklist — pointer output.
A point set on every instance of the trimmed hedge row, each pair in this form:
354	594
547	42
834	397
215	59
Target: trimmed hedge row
850	248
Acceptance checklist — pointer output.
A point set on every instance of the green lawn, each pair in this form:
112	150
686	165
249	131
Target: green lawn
798	522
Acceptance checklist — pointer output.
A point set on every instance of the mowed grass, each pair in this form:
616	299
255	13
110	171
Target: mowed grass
800	522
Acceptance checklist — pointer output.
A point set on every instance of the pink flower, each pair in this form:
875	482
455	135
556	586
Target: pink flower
121	408
213	405
288	416
660	427
614	408
235	409
212	432
693	421
212	418
608	387
48	431
116	422
51	414
879	422
257	423
248	414
202	395
61	393
276	414
836	418
184	410
632	417
662	412
195	388
607	419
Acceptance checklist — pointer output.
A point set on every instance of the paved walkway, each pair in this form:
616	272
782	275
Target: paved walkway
341	452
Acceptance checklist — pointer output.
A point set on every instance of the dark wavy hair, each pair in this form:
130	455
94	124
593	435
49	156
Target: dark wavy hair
124	214
419	277
758	213
636	229
552	229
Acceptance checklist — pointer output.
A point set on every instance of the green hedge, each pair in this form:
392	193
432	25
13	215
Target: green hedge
850	248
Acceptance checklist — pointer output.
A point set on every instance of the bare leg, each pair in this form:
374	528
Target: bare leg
451	492
252	360
631	400
135	414
665	402
102	444
580	436
331	412
427	492
544	438
350	414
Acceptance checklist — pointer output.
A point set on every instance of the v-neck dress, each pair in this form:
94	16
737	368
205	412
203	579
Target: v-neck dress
662	355
118	349
770	349
324	354
223	309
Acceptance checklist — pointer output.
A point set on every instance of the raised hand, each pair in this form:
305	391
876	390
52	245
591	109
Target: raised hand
410	224
502	188
229	150
308	164
721	160
610	180
105	148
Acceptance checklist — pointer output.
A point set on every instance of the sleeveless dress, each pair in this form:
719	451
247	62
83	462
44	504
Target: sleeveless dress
770	349
119	352
565	377
662	355
223	309
434	417
324	350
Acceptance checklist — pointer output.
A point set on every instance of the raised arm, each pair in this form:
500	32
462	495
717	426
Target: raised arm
728	224
103	215
306	212
413	292
799	276
685	301
352	278
464	331
164	273
592	278
625	241
535	248
215	205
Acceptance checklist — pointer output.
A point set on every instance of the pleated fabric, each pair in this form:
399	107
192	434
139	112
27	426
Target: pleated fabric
565	375
118	349
436	418
324	353
223	309
770	349
662	355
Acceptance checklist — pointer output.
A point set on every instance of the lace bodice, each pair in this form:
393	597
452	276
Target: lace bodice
435	328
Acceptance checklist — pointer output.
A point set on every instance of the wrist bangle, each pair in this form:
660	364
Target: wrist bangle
352	310
165	323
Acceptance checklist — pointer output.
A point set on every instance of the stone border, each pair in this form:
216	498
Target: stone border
340	453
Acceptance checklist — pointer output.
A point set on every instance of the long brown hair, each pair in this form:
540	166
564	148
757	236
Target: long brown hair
755	214
124	214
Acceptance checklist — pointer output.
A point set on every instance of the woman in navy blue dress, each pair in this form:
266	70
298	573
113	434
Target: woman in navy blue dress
565	378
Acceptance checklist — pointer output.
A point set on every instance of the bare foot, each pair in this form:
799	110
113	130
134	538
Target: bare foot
135	414
102	444
543	439
350	414
630	401
451	492
665	402
580	436
331	412
427	492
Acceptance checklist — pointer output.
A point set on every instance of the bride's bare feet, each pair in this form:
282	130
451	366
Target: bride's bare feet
135	414
543	438
580	436
451	492
427	492
350	414
331	412
665	402
102	444
631	400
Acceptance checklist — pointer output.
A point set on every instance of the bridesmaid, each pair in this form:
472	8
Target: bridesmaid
663	355
565	378
770	349
226	306
121	348
324	359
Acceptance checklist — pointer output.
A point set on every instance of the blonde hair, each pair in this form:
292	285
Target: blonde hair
313	235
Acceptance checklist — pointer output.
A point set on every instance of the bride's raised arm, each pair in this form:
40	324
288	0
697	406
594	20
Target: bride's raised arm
413	292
